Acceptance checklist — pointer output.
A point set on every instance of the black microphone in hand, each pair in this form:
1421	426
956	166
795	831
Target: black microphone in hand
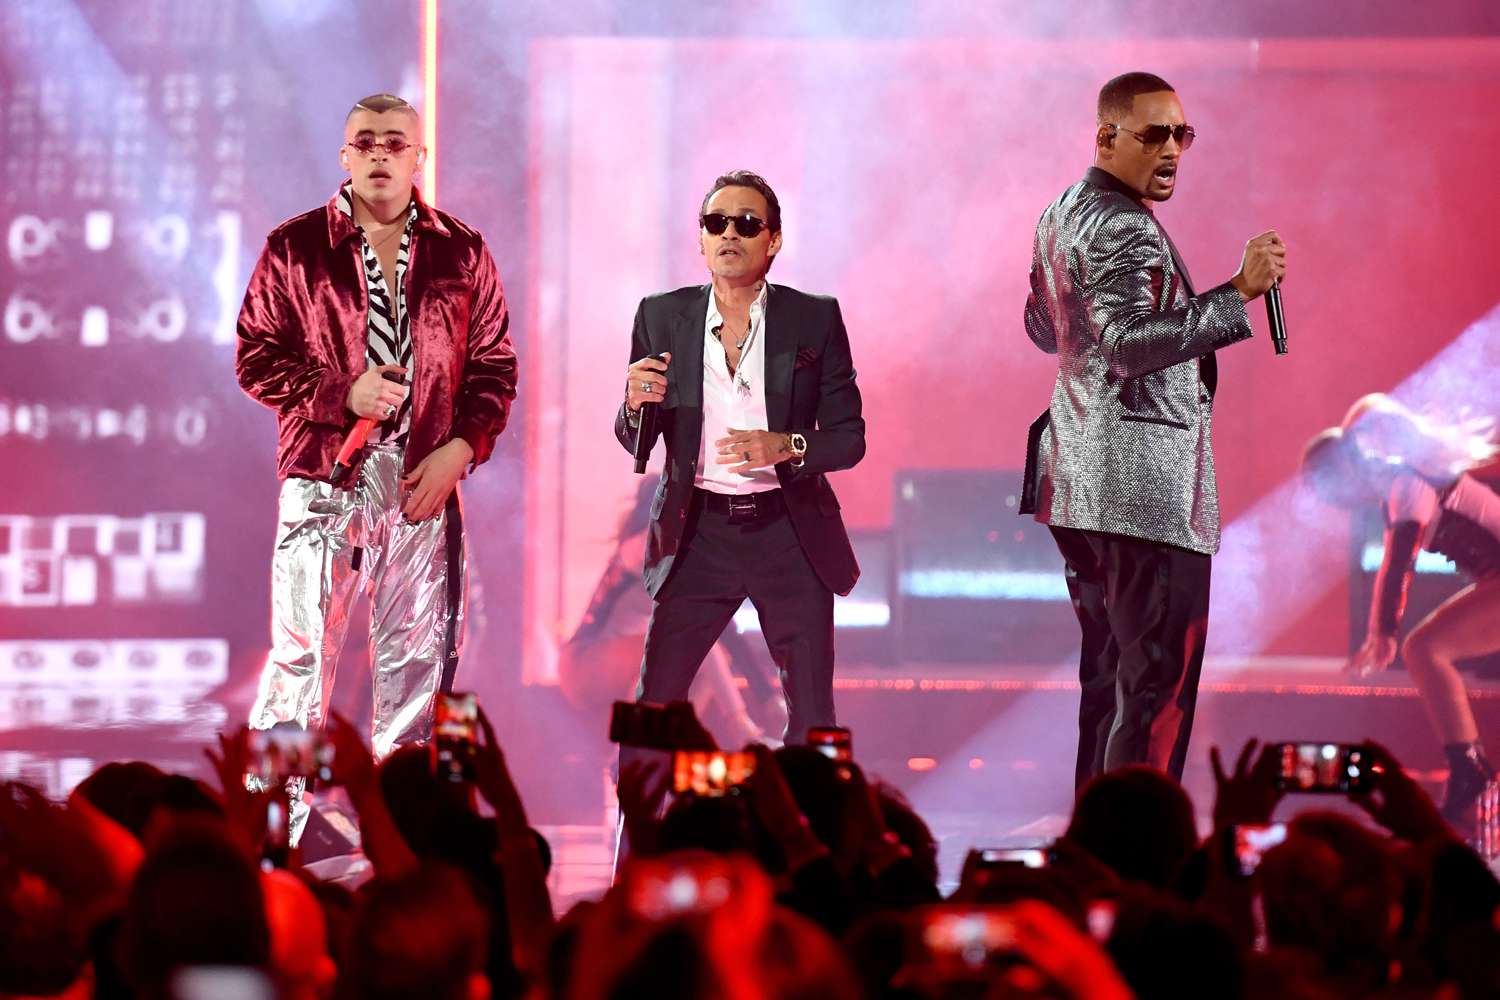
1275	319
645	434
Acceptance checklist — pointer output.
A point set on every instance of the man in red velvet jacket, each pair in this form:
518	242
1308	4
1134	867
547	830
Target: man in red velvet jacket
373	306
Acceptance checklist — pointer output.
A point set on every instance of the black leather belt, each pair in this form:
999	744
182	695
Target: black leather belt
744	507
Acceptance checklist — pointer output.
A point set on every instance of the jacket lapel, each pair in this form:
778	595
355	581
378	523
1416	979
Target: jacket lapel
781	355
687	351
1208	365
1177	263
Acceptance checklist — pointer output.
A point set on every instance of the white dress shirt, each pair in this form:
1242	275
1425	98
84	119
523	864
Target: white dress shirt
737	401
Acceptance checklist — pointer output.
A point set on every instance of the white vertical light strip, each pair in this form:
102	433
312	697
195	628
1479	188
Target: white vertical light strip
430	100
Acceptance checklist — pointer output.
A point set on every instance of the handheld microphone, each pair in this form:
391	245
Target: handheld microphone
645	435
355	439
1275	319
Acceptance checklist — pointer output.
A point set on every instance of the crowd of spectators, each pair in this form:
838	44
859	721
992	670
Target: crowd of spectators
809	882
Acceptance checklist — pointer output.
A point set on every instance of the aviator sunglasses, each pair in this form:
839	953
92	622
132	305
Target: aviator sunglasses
748	226
1156	136
393	145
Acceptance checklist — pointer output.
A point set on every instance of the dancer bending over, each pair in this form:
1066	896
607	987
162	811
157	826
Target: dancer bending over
1424	473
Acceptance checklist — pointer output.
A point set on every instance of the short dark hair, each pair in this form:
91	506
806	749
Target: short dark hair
421	934
1137	821
126	792
380	104
1118	95
196	900
745	178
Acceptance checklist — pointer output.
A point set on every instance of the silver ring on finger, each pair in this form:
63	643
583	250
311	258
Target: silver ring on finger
390	410
646	388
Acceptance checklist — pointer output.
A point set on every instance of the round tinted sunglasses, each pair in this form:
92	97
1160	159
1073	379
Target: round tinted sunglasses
748	226
1156	136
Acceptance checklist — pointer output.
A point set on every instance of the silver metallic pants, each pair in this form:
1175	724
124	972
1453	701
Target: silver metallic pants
330	542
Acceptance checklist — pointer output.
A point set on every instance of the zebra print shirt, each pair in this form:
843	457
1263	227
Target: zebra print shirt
389	333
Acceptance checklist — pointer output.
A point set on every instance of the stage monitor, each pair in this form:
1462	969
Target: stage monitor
975	581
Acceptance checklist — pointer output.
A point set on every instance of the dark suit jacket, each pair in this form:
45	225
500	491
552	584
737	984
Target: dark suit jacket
809	389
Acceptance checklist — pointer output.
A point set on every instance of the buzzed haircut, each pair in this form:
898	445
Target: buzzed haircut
1118	95
745	178
379	104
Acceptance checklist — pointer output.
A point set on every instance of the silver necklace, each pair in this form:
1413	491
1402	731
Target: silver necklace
739	342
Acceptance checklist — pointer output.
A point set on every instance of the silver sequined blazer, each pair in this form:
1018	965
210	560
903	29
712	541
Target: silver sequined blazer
1126	444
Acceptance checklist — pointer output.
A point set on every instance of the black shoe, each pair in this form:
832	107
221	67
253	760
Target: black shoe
1469	772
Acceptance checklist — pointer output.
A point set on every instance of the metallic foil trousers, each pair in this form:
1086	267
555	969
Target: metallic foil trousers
329	543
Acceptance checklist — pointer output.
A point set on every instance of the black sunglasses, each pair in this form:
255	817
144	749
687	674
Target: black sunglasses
748	226
1156	136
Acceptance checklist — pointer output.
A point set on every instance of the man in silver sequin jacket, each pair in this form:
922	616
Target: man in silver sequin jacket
1121	466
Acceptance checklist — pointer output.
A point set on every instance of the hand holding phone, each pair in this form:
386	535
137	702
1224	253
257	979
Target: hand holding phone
1396	801
1323	767
1250	792
949	943
353	763
455	736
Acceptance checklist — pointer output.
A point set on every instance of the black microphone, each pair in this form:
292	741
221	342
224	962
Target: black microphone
1275	319
645	434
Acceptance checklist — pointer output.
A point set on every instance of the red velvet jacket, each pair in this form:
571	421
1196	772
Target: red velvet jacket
302	333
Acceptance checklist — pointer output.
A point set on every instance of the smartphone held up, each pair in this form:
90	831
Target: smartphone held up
286	750
711	773
1323	767
455	736
1250	842
1009	857
834	742
953	936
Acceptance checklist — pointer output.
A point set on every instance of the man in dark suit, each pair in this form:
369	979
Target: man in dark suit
1121	466
758	402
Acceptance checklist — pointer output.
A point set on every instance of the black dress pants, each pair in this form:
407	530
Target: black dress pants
1143	609
719	565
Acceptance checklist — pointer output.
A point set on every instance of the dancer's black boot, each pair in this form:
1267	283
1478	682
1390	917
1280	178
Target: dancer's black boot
1468	773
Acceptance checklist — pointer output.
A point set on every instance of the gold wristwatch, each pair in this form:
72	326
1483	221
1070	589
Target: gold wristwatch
797	445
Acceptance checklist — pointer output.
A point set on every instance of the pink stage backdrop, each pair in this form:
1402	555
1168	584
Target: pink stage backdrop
911	175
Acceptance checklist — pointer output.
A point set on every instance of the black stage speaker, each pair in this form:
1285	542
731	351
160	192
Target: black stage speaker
975	581
332	831
862	621
1435	581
